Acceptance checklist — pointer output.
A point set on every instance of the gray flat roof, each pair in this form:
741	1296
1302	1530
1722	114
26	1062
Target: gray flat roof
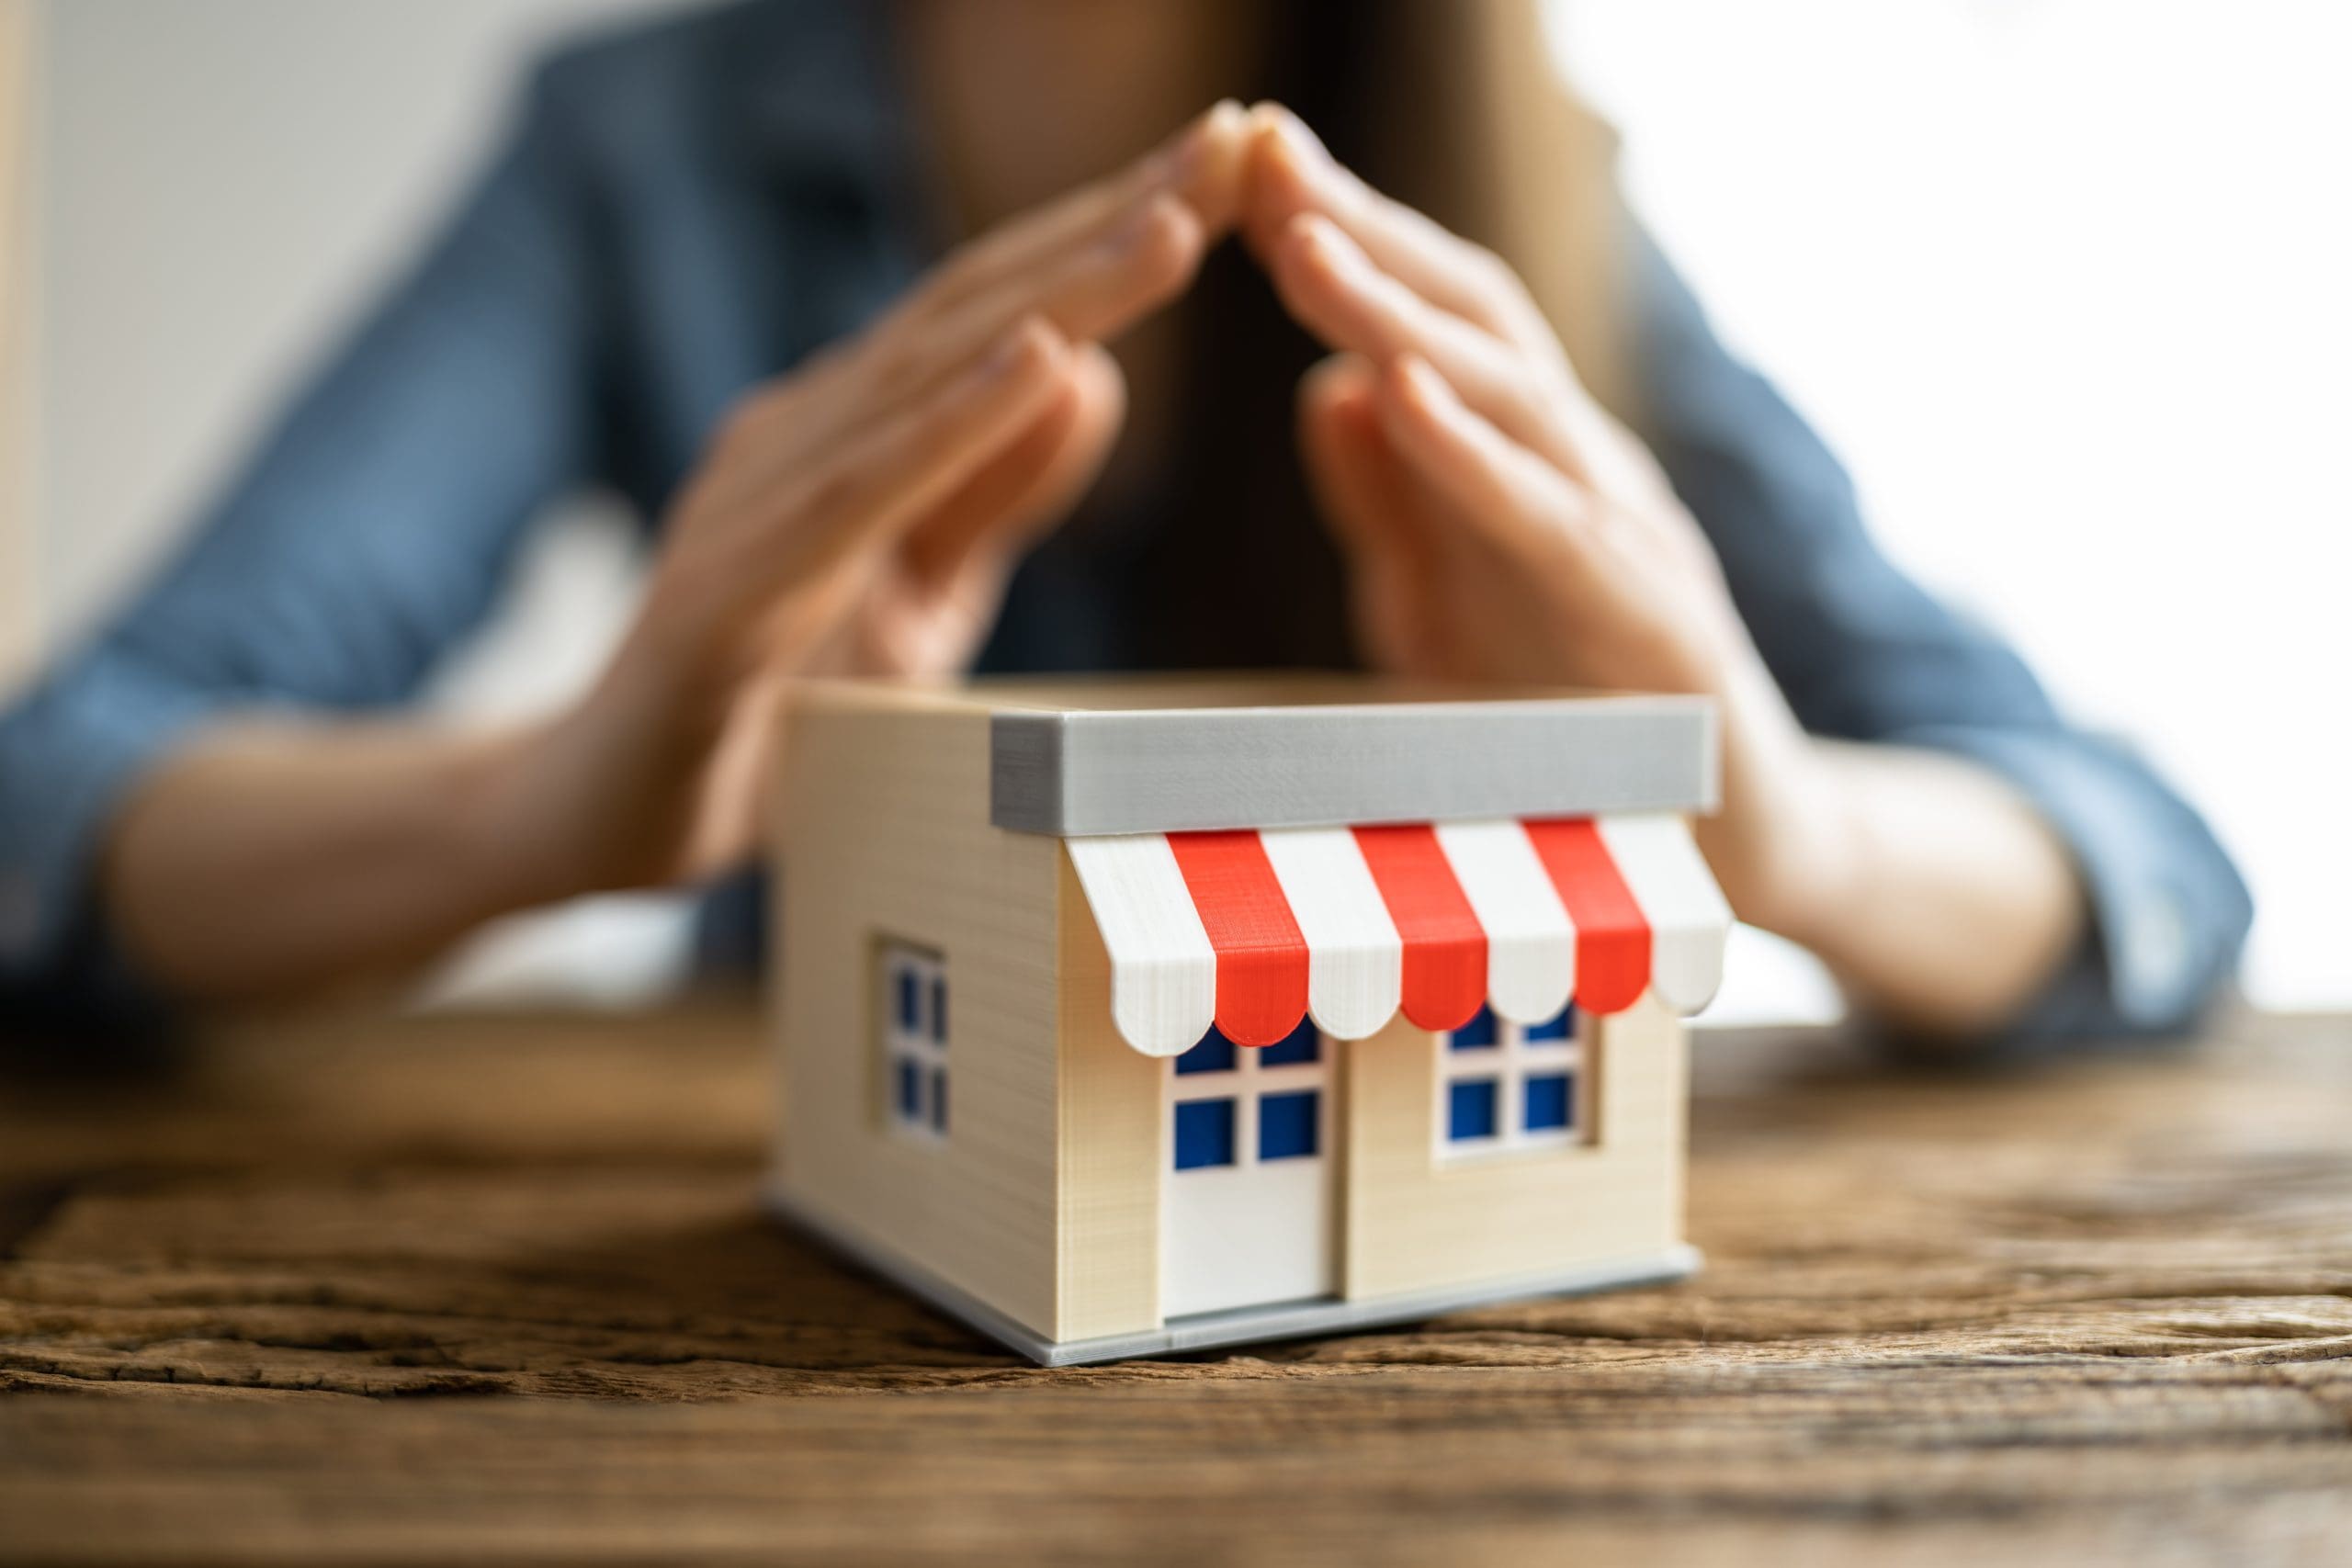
1079	770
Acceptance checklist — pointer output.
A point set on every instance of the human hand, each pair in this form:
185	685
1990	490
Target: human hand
1498	524
863	513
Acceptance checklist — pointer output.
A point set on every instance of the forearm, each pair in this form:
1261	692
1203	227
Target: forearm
262	861
1956	902
1928	885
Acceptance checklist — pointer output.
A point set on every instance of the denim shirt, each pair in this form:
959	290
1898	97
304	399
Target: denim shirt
685	209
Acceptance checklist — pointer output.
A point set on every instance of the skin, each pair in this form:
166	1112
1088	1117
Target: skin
862	515
1499	524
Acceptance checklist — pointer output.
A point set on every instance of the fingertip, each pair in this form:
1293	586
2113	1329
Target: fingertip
1412	379
1051	344
1031	346
1209	171
1313	262
1264	123
1339	375
1319	238
1095	371
1290	169
1079	379
1292	159
1414	402
1092	359
1339	397
1292	133
1276	189
1165	241
1279	186
1167	217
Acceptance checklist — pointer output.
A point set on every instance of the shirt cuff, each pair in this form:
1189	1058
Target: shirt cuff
2168	912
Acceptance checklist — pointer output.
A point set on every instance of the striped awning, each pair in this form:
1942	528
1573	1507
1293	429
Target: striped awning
1252	931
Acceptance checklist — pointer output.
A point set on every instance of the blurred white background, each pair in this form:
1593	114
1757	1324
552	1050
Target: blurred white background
2062	280
2065	284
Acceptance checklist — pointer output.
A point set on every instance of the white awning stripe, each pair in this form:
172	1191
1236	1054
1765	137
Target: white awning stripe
1355	959
1163	971
1530	944
1688	919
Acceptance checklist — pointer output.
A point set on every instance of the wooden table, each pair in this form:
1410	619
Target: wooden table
468	1289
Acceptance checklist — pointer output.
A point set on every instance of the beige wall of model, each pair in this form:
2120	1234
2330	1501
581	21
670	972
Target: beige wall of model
882	832
1415	1223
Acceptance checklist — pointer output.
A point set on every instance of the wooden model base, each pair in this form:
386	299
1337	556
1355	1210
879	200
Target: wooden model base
1243	1326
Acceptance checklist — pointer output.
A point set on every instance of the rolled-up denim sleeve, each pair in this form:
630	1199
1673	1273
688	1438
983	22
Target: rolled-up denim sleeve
372	529
1864	653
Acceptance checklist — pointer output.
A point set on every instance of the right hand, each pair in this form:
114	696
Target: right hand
862	515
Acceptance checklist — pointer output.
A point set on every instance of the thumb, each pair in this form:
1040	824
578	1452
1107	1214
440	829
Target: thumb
1377	511
1366	494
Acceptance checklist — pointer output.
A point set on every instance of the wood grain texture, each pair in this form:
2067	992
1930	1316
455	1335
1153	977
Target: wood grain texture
2094	1312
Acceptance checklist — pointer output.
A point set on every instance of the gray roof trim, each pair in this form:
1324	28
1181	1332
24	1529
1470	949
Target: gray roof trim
1083	773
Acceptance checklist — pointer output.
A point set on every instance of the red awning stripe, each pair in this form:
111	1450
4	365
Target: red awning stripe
1261	955
1612	937
1445	948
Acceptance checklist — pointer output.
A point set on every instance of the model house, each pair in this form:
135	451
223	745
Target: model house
1132	1016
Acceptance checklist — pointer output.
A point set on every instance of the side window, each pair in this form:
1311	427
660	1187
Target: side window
1234	1106
1503	1086
911	1011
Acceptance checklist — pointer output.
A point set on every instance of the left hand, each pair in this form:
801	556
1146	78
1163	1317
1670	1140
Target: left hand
1499	524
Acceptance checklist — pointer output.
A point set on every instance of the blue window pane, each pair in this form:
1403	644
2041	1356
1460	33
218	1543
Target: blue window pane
1204	1132
909	1089
1213	1055
1478	1034
939	1008
1301	1045
1559	1028
939	1099
1470	1109
909	1000
1551	1101
1287	1124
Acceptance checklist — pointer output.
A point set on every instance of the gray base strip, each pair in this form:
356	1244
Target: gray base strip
1244	1326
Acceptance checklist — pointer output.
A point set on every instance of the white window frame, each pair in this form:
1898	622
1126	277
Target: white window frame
1244	1083
924	1046
1510	1062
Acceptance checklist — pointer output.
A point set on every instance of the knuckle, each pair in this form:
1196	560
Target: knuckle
1165	251
1326	380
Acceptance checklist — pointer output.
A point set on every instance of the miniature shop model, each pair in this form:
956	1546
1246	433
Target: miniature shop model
1139	1016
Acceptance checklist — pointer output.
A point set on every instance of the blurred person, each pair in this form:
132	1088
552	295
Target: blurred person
917	342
